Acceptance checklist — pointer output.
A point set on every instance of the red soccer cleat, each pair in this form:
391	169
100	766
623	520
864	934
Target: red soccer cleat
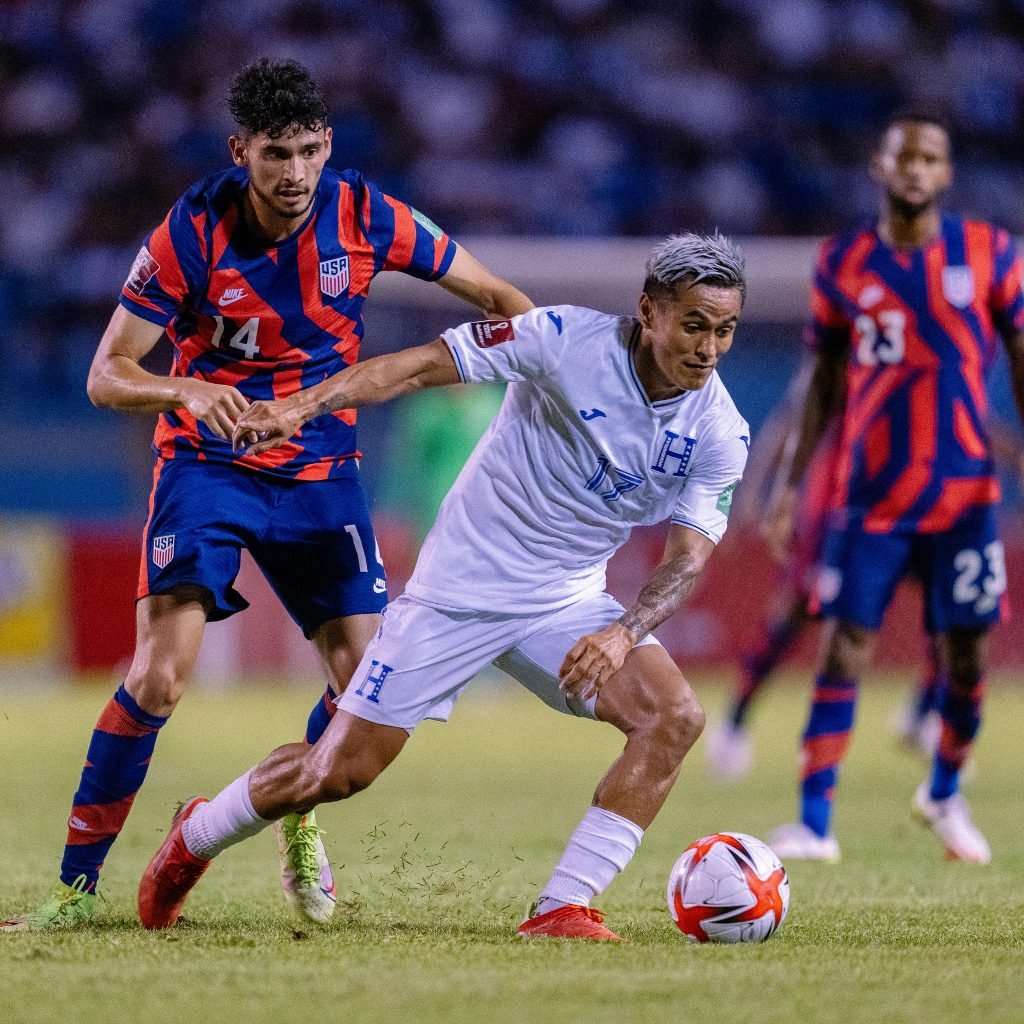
571	921
170	875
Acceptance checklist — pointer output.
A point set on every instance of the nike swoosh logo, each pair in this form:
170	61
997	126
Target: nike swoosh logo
556	320
227	302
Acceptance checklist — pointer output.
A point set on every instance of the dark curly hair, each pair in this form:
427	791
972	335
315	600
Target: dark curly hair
271	97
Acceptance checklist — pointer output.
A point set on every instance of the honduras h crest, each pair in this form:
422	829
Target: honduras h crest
334	276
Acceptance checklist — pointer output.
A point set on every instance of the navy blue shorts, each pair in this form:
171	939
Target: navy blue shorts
312	540
962	572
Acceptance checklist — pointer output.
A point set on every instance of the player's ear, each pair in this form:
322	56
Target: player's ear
876	167
237	146
645	310
328	135
947	179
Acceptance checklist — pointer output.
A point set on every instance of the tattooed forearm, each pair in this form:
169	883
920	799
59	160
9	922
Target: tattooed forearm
383	378
663	593
332	403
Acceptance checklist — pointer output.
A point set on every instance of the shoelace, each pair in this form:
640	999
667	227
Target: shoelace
306	859
55	906
78	888
594	915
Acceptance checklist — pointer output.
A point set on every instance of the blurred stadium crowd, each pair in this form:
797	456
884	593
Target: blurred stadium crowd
574	118
549	117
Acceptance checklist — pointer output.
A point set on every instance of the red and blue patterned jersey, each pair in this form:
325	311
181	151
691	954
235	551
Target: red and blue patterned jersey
922	329
270	321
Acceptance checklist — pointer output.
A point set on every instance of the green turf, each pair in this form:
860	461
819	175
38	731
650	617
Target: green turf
436	862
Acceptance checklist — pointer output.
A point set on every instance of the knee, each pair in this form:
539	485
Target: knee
155	685
849	650
966	656
679	725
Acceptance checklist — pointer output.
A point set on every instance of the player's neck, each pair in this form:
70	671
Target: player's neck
261	220
656	386
909	230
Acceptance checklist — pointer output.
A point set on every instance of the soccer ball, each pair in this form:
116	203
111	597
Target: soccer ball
728	887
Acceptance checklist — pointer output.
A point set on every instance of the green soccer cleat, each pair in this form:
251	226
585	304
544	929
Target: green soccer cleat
69	906
306	875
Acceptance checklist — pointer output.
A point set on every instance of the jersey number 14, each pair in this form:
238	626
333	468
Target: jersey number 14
244	339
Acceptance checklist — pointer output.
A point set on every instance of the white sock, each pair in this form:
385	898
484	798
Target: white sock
602	845
227	819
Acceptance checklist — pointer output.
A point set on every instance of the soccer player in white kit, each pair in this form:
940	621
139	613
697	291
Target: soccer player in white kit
609	422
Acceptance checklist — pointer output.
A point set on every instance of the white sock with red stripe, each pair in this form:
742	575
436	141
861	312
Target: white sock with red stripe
602	845
226	820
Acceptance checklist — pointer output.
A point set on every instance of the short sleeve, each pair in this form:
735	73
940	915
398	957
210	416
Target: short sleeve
828	325
526	347
403	238
1008	285
717	468
169	267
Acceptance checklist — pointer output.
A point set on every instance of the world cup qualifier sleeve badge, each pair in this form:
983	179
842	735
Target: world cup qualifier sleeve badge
334	276
142	271
163	550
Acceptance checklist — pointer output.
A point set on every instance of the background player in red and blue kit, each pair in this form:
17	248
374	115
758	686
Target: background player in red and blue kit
906	316
258	276
728	744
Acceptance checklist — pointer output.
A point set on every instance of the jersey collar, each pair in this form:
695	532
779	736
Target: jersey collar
631	350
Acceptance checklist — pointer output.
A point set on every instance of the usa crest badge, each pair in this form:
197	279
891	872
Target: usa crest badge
163	550
334	276
958	286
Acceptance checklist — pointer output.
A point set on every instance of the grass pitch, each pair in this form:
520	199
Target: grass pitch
436	862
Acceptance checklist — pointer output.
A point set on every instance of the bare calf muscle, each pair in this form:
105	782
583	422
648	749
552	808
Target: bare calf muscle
649	701
348	757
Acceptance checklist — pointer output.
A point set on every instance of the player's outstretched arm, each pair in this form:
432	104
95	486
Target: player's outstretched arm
824	399
469	279
1015	351
367	383
1007	446
595	658
118	381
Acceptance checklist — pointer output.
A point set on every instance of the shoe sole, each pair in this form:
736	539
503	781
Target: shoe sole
811	858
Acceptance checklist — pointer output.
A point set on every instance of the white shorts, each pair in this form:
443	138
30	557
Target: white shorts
422	658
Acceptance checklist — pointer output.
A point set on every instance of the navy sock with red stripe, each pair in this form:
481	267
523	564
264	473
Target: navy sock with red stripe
115	768
824	744
320	717
931	686
960	707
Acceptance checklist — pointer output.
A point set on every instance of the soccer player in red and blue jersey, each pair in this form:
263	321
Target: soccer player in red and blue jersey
906	318
258	276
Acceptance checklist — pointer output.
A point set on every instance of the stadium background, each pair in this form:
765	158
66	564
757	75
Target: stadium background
554	139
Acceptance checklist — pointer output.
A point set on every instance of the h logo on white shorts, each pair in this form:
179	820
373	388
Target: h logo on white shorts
373	694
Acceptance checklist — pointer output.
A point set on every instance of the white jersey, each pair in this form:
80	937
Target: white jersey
576	457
